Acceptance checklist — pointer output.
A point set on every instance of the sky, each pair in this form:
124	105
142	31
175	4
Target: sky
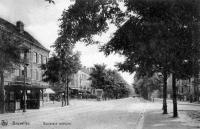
41	21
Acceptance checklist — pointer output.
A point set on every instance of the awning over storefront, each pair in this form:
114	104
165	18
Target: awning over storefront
28	86
49	91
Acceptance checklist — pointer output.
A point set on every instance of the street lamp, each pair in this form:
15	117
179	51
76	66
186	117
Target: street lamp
25	63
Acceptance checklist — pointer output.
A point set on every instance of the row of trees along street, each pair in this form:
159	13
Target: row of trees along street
110	81
154	36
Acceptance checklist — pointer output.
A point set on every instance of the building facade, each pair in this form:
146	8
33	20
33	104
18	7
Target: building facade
24	85
81	80
187	90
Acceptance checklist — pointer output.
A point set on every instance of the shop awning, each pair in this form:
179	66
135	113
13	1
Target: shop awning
20	85
49	91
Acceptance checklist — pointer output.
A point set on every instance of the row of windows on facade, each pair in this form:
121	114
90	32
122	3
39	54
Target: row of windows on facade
37	58
188	81
83	77
33	74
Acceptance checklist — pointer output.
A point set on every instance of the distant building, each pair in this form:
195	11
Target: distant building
34	55
188	89
81	80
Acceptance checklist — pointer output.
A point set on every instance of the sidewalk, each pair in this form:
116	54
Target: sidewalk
156	120
50	106
179	102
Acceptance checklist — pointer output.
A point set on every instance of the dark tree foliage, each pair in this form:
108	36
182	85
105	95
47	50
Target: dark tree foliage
113	85
59	70
163	36
51	70
156	36
87	18
145	85
98	76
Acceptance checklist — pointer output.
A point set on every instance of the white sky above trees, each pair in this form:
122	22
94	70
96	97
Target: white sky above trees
41	20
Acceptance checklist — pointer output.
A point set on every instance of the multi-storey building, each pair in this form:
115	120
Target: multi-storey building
28	76
81	80
188	89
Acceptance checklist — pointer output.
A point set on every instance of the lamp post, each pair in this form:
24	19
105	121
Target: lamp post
25	76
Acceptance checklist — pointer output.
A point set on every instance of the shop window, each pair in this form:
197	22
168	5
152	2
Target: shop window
12	95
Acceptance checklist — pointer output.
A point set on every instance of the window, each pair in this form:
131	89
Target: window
28	73
39	75
42	77
34	74
22	55
16	72
39	59
44	60
34	57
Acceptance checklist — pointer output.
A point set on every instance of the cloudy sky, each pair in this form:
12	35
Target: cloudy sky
41	20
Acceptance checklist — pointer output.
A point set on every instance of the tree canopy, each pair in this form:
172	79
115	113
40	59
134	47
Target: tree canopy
146	29
113	85
153	35
55	71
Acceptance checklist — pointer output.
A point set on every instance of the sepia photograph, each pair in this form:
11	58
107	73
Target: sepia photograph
99	64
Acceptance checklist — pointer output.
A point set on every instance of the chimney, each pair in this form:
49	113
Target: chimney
20	27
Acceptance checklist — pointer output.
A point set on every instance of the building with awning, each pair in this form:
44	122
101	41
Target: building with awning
23	85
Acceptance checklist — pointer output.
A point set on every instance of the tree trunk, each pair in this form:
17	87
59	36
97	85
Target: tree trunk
67	90
2	94
175	112
65	94
164	92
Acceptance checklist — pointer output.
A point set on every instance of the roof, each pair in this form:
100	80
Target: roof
11	27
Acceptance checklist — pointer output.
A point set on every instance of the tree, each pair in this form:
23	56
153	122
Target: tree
98	76
59	69
120	86
156	36
10	48
160	38
51	73
146	85
69	63
113	85
51	69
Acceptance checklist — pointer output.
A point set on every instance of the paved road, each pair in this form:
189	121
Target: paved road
126	113
114	114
